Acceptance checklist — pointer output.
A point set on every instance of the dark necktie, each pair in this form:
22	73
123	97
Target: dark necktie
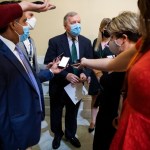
74	55
73	51
29	72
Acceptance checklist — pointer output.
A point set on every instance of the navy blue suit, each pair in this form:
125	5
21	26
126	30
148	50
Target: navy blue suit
58	97
20	113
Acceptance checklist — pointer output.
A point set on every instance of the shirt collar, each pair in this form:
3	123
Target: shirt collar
70	38
8	43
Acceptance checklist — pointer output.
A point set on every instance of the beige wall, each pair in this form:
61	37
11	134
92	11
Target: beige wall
91	11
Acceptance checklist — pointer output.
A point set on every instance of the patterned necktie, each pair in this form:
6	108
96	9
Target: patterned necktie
30	53
74	55
29	72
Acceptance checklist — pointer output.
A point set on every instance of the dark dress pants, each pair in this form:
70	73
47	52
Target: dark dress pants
57	103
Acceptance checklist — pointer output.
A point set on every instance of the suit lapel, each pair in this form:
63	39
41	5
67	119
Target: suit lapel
65	46
81	48
11	57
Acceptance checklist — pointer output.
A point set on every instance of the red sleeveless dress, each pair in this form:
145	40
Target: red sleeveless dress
134	127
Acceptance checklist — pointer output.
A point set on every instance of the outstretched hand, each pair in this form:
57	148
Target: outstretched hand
29	6
80	65
54	66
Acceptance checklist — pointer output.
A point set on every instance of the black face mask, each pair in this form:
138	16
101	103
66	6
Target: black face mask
105	34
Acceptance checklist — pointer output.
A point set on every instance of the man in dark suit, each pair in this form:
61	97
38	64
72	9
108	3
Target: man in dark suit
66	43
21	97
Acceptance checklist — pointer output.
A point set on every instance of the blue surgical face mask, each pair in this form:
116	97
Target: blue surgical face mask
75	29
25	34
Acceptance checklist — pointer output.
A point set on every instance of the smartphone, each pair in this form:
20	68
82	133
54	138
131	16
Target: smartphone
64	61
38	2
75	65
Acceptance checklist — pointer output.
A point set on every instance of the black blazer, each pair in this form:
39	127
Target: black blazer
58	45
101	53
20	113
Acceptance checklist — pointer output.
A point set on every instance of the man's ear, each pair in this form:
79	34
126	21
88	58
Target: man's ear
65	25
12	25
124	36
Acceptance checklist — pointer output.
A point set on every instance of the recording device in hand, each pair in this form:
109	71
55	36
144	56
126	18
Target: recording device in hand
64	61
38	2
76	63
59	56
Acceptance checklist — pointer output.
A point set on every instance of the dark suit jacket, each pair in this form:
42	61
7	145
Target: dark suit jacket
58	45
20	113
11	11
43	73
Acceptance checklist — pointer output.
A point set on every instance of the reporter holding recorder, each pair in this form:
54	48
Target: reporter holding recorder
134	124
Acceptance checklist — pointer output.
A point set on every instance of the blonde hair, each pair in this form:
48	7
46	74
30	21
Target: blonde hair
126	21
103	24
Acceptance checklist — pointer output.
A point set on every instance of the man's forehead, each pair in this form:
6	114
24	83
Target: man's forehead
29	13
22	19
76	17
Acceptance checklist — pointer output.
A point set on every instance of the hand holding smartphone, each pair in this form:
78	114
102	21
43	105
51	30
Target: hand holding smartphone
38	2
64	61
75	65
58	57
41	3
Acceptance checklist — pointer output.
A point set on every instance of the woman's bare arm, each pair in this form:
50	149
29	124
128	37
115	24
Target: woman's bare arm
119	63
28	6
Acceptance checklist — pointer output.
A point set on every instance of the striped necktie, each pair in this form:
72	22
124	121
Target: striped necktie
30	73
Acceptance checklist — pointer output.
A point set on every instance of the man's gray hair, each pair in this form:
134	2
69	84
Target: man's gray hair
69	14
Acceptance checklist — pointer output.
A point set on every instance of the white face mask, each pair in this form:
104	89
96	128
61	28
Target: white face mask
114	47
31	22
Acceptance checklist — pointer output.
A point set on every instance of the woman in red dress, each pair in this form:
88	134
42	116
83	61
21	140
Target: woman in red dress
134	125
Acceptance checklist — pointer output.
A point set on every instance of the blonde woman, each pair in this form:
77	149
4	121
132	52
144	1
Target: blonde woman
124	34
100	50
